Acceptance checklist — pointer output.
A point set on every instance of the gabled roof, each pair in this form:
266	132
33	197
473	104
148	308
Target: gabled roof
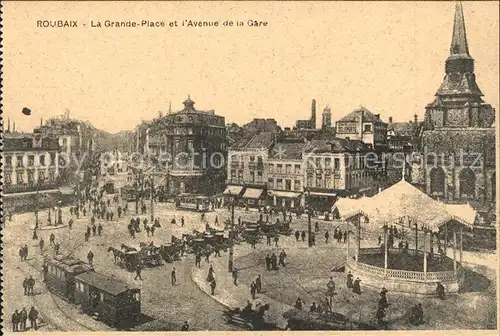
356	114
24	142
261	140
410	129
287	150
336	145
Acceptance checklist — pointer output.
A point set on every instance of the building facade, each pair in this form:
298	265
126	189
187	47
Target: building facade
458	157
191	145
285	174
30	163
363	125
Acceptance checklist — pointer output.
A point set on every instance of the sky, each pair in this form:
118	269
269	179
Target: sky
386	56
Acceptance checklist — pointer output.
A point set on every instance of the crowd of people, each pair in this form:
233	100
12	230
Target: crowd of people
19	319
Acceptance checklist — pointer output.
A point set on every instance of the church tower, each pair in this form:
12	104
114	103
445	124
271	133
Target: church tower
458	101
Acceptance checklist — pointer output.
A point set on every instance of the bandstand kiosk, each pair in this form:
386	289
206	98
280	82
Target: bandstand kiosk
422	225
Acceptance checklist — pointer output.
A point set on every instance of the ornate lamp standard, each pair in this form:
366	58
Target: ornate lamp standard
231	234
309	215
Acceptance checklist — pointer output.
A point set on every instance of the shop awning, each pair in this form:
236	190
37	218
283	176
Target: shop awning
252	193
233	190
316	193
287	194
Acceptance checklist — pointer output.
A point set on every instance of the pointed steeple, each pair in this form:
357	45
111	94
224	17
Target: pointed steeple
459	44
170	107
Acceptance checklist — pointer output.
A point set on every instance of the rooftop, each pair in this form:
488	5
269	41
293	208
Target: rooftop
105	283
362	111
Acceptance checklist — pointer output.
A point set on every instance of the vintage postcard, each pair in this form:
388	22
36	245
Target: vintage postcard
250	166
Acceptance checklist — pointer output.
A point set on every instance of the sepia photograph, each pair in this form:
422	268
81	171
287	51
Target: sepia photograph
249	166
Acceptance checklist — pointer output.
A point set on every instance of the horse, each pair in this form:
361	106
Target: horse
118	255
128	248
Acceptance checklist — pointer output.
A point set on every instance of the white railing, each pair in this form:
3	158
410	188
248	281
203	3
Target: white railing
400	274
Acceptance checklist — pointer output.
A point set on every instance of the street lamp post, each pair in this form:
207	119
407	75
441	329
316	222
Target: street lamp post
152	199
231	236
309	217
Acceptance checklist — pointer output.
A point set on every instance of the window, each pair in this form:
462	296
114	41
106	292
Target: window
328	181
336	163
288	168
101	297
259	176
368	128
79	287
8	178
288	184
310	180
8	161
240	174
270	183
41	160
52	158
20	178
52	175
41	175
318	181
31	177
31	160
233	174
296	185
279	168
271	167
318	163
279	184
259	160
19	161
297	169
310	164
190	145
328	162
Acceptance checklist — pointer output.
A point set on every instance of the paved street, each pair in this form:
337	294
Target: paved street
305	275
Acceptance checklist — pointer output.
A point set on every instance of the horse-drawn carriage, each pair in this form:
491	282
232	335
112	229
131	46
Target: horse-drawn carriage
150	255
170	252
248	318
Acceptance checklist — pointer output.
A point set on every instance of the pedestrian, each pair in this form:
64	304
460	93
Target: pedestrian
21	253
33	316
268	262
258	283
440	291
70	223
52	239
23	317
282	257
182	221
235	276
94	229
207	256
56	248
15	320
356	288
274	262
316	227
41	243
298	304
268	241
99	229
213	284
87	236
379	240
345	236
253	290
45	270
303	236
173	277
297	235
185	326
138	272
313	308
31	286
349	280
211	273
25	285
197	260
276	239
90	257
327	235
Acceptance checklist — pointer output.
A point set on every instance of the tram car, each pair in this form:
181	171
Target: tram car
108	299
60	275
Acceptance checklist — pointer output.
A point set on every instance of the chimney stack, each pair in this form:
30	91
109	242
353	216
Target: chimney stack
313	114
415	118
8	125
390	120
14	127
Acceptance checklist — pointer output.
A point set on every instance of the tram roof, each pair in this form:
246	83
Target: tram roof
104	283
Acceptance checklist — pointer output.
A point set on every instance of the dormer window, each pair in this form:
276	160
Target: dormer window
368	128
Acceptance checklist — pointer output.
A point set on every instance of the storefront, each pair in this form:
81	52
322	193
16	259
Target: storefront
321	200
253	197
285	199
